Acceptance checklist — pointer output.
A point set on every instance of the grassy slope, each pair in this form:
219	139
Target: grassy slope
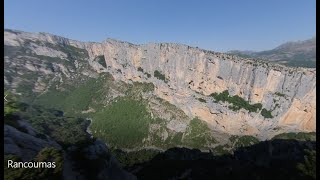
198	135
75	99
124	123
301	136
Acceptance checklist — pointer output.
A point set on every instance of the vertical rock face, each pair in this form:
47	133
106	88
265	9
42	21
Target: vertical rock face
288	92
191	73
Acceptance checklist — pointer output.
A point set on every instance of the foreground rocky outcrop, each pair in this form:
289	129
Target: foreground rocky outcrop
89	160
93	162
181	75
25	145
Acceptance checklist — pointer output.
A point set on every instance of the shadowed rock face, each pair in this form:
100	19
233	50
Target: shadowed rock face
190	73
24	145
276	159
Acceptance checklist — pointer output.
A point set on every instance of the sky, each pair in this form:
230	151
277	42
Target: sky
218	25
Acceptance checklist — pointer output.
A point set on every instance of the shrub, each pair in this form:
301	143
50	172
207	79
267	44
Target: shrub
279	94
300	136
236	101
266	114
10	106
148	75
202	100
308	167
160	76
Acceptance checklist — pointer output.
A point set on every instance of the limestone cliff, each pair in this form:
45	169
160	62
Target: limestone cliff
192	73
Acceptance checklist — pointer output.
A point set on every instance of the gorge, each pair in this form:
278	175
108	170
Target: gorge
153	96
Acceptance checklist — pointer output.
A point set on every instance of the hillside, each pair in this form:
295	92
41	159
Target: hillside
296	54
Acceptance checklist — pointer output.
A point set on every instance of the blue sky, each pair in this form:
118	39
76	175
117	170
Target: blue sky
215	25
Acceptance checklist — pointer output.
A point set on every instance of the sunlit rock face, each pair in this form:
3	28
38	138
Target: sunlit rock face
192	73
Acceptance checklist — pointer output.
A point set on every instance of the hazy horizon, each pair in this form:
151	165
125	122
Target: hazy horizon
212	25
165	42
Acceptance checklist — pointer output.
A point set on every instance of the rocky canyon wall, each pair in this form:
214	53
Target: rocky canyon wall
192	73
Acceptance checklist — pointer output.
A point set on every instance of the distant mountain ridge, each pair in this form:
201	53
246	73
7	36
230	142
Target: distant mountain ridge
297	54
